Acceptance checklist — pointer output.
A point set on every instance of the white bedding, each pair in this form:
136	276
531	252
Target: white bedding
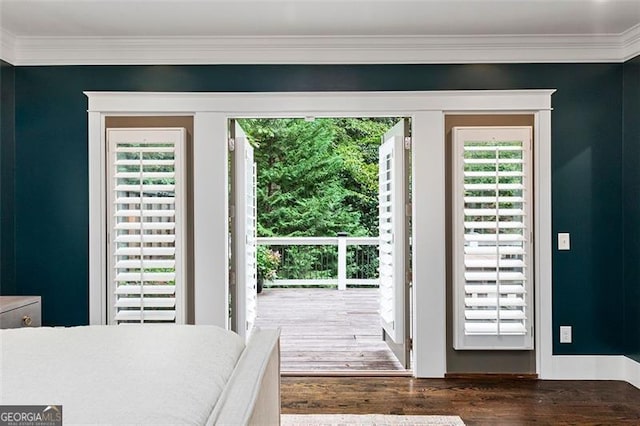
120	374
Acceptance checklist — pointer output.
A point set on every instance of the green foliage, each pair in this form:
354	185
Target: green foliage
300	191
309	262
316	179
268	262
357	141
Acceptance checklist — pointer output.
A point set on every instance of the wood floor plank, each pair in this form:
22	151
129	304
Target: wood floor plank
327	329
478	401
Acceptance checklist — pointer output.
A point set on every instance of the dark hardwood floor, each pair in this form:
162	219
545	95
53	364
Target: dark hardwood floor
477	401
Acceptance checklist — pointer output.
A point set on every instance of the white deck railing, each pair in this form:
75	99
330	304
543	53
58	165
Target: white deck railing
353	262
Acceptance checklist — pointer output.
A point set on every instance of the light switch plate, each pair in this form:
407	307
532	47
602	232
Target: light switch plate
564	241
565	334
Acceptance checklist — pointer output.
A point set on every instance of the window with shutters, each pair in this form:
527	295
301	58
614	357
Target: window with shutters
146	204
492	217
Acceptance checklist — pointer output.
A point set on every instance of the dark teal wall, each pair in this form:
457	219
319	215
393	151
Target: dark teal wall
631	209
51	175
7	181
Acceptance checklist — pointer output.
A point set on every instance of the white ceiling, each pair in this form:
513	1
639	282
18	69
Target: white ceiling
315	17
39	27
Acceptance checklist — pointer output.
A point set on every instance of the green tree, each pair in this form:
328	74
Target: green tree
301	189
357	141
316	179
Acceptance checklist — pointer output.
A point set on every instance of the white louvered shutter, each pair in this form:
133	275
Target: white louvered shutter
391	188
245	201
252	246
146	230
492	246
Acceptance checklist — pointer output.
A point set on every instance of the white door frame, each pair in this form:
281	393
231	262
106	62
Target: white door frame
211	112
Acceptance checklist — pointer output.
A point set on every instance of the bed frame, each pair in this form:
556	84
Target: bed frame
258	364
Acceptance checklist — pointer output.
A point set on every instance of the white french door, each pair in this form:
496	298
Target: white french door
394	240
243	279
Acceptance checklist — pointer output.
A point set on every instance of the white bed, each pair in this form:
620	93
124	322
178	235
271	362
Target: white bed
152	374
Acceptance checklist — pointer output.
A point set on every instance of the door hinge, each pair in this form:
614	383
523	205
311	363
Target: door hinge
408	278
407	142
232	278
232	144
232	211
407	210
409	343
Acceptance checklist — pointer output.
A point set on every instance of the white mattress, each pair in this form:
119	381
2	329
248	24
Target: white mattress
119	374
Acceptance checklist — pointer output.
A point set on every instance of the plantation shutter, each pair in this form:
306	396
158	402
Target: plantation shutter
146	233
244	196
492	244
394	250
392	199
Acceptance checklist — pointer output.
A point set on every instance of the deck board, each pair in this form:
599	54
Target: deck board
327	329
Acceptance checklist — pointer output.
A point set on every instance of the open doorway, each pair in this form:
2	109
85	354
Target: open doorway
319	233
211	112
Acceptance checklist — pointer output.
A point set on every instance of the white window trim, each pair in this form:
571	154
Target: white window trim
427	110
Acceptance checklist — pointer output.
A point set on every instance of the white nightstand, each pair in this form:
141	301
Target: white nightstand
20	311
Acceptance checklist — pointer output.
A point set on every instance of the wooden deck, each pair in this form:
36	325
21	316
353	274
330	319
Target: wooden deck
327	329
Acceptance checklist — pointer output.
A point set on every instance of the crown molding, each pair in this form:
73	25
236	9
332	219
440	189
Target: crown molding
7	46
321	50
631	43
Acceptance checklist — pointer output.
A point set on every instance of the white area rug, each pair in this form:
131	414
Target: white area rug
367	419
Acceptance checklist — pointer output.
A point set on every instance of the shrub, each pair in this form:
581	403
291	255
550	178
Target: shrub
268	262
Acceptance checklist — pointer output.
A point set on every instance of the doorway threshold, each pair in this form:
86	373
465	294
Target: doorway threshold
347	373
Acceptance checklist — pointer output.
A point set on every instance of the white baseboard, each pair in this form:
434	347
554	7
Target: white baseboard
592	367
583	367
633	372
